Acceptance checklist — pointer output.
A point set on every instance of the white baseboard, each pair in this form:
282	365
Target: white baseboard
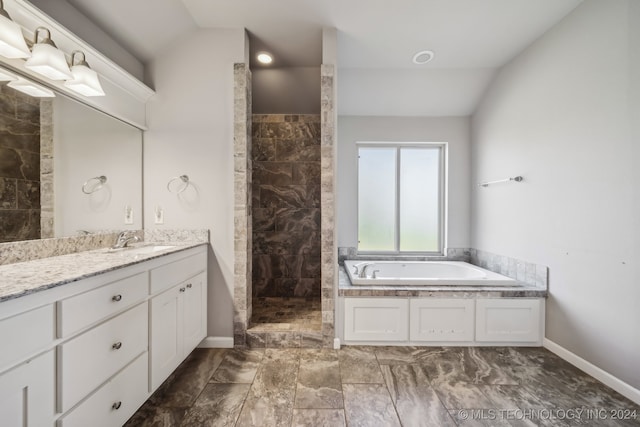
216	342
606	378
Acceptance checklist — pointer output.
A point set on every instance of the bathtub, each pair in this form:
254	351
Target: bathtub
423	273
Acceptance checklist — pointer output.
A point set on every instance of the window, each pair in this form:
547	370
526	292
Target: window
400	197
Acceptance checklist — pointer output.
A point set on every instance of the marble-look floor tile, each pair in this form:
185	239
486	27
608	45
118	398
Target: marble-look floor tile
271	396
510	397
416	402
238	366
150	415
319	383
396	355
184	385
358	365
369	405
318	418
446	367
460	395
469	418
480	367
218	405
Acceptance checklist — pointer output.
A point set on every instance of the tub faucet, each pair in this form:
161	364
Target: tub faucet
124	239
363	272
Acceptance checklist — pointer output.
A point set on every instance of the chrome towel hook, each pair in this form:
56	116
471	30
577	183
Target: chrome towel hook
94	184
180	187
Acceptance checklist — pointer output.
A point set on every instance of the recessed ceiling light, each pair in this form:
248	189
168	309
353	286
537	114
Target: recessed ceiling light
423	57
264	58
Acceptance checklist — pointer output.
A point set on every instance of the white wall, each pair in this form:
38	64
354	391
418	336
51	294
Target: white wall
191	132
453	130
294	90
561	115
88	143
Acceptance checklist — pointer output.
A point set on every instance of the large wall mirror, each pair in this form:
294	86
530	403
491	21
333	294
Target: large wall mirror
65	169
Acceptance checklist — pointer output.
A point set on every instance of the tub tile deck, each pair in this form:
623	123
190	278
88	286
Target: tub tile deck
522	290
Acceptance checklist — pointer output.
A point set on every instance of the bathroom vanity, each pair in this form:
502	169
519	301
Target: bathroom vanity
87	337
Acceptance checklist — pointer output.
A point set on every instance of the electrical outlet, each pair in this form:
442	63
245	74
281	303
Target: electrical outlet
128	215
159	215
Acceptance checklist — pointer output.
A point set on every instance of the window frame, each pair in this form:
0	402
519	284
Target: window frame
442	196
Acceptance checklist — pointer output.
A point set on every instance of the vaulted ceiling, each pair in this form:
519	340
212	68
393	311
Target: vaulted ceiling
376	41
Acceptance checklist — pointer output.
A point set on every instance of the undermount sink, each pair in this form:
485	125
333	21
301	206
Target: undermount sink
141	250
150	249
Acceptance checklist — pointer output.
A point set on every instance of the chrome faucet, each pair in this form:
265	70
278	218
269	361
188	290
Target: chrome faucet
124	239
363	272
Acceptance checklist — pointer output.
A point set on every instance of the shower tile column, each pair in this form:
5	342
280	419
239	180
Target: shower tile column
327	197
242	203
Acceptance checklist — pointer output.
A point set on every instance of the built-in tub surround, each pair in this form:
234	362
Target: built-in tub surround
422	273
286	205
527	273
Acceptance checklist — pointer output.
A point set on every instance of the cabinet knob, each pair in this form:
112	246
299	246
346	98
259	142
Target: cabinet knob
189	285
182	289
117	346
116	405
116	298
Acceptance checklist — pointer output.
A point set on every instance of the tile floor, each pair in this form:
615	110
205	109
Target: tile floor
286	314
383	386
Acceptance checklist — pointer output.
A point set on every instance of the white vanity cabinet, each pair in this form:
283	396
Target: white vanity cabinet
85	353
27	393
178	314
27	384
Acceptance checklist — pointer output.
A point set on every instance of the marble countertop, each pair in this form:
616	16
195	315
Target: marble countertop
24	278
522	290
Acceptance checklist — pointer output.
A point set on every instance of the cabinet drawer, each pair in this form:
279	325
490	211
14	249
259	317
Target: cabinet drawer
171	274
115	401
90	307
25	334
442	319
376	319
508	320
91	358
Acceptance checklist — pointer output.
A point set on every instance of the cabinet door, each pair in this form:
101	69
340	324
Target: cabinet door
27	393
442	319
195	311
508	320
376	319
167	340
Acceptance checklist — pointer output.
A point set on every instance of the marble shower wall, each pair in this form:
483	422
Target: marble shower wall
19	166
286	205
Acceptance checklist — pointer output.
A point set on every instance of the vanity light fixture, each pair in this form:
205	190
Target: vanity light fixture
264	58
85	81
12	43
31	88
423	57
47	59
